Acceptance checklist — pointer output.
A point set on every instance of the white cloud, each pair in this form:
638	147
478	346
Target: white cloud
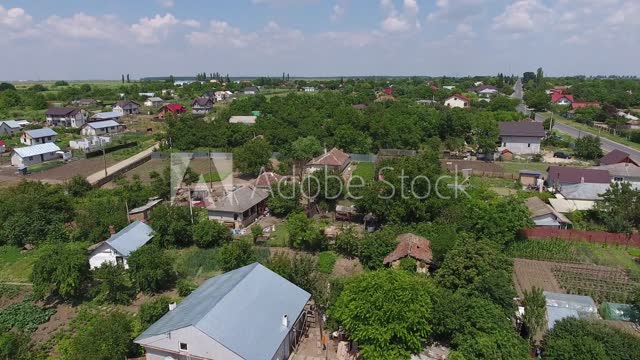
523	16
627	14
350	39
400	21
166	3
457	10
154	30
221	33
337	12
14	18
83	26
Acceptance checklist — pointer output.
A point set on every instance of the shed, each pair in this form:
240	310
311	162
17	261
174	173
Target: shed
411	246
543	215
529	177
119	246
250	313
142	212
239	208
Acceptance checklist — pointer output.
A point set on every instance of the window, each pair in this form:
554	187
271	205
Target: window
618	179
504	144
529	145
183	346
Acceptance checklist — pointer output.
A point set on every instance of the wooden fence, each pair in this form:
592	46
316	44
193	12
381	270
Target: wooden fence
598	237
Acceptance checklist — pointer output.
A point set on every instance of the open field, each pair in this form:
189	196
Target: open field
14	265
200	166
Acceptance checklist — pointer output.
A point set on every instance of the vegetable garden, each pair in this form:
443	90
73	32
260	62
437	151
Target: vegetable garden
600	282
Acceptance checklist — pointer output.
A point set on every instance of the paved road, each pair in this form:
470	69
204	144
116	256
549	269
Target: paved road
518	94
607	145
98	177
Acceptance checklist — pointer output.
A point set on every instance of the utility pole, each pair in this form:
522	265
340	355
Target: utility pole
210	171
104	158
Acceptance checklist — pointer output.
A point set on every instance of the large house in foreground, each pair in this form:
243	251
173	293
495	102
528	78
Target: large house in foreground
119	246
522	137
66	117
250	313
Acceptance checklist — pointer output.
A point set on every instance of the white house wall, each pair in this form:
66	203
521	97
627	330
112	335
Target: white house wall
104	253
16	160
520	144
199	345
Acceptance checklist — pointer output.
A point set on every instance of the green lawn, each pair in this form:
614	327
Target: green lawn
365	170
603	134
15	266
280	237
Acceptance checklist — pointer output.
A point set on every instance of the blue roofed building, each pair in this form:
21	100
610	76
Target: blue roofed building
119	246
99	128
250	313
38	136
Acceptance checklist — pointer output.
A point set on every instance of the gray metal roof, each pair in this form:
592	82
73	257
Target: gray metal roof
583	191
560	306
103	124
243	119
39	133
240	200
11	123
106	115
35	150
241	309
150	204
131	238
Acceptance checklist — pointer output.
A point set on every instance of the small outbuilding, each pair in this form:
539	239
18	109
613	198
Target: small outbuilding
414	247
543	215
239	208
529	177
141	213
119	246
562	306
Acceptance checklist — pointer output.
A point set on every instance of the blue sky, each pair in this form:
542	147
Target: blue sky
90	39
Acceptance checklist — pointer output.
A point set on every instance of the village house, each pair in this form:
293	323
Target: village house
109	115
34	154
449	87
457	101
222	95
141	213
251	90
241	119
308	89
560	98
543	215
250	313
522	137
239	208
202	105
119	246
85	102
171	109
485	91
9	127
127	107
168	92
576	188
622	172
335	159
147	94
99	128
66	117
559	176
414	247
617	157
154	102
38	136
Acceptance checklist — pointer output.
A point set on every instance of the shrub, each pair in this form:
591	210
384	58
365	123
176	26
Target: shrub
348	242
236	254
61	270
151	269
208	234
152	310
14	346
197	261
113	285
326	261
103	337
185	287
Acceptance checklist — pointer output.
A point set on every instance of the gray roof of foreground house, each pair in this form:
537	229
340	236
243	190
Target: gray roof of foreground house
39	133
240	200
241	309
131	238
35	150
522	128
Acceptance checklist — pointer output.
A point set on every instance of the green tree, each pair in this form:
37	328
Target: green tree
387	312
208	234
77	186
61	270
537	100
235	254
171	226
113	284
15	345
375	246
151	269
535	311
303	233
303	150
152	310
348	242
300	269
252	157
9	99
619	208
104	337
588	147
6	86
284	199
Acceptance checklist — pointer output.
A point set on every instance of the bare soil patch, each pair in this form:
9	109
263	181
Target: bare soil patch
530	273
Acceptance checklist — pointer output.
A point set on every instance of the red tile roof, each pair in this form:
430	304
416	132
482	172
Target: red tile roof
461	97
388	91
571	175
175	108
335	157
2	143
267	179
558	95
411	245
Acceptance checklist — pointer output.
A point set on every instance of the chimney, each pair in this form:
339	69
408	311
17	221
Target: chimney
112	230
285	321
172	306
